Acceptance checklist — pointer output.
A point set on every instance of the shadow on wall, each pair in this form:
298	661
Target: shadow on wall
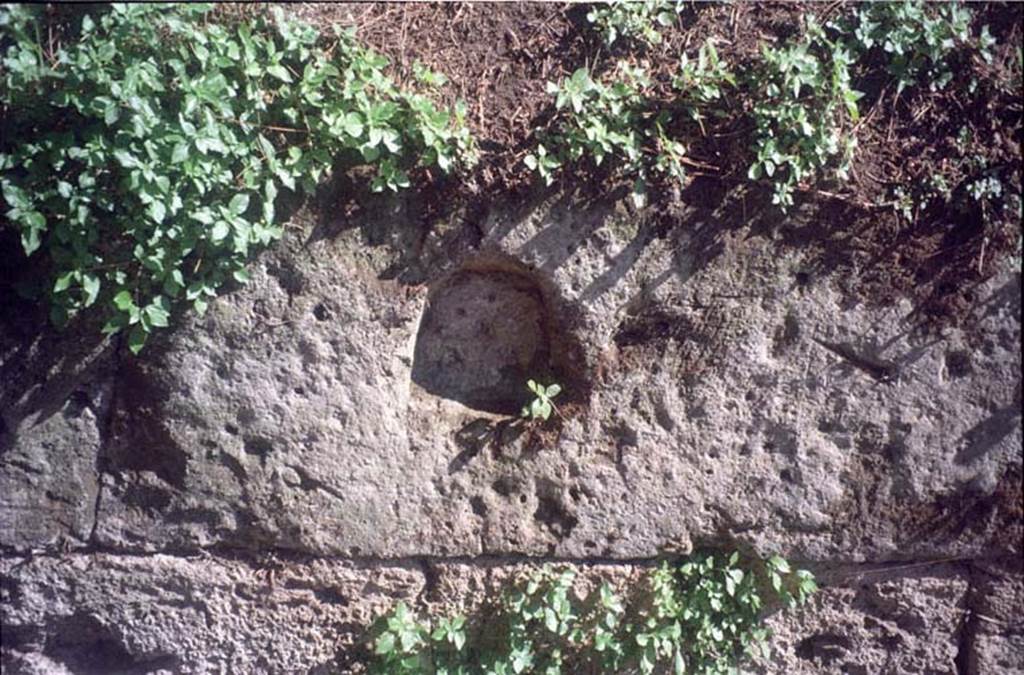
40	367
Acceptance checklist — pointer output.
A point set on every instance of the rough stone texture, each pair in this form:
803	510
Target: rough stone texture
481	337
317	411
48	478
54	406
996	639
291	416
104	613
866	621
159	613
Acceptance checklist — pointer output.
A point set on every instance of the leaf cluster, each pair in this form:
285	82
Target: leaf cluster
617	119
701	616
633	20
151	148
803	100
916	39
405	646
804	110
541	406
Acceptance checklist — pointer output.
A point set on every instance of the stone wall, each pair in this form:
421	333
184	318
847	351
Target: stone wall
340	434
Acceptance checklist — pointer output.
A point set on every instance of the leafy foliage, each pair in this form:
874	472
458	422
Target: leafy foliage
805	107
637	20
541	406
597	119
618	120
702	82
405	647
700	617
916	38
152	147
804	103
984	193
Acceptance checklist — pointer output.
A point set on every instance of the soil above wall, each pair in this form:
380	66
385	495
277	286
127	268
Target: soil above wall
499	58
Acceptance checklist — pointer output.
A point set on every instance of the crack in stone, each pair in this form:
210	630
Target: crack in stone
289	556
309	483
967	630
105	429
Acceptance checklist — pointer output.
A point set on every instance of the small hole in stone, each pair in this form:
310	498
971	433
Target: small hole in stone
260	447
802	278
321	312
299	391
522	499
502	486
958	363
486	330
478	506
231	429
787	476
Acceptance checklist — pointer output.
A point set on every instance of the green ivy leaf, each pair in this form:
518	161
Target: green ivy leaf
180	153
158	313
123	301
281	73
64	281
91	287
220	231
239	204
137	339
157	211
35	224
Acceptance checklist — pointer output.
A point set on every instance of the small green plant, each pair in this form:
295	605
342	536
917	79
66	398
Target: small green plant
987	187
405	646
916	38
638	20
911	201
617	119
144	156
803	113
541	407
701	616
539	621
596	119
702	82
985	196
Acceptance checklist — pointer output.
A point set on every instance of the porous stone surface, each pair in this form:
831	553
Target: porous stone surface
884	620
483	334
341	407
55	394
307	411
171	614
995	629
161	613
